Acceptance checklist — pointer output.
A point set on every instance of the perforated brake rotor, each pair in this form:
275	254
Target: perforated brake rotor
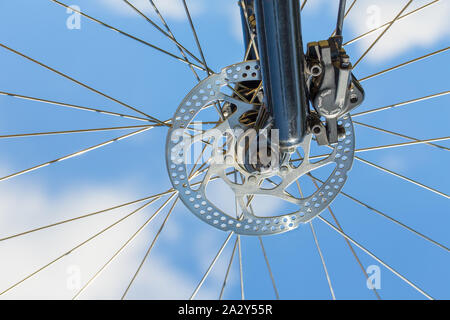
195	199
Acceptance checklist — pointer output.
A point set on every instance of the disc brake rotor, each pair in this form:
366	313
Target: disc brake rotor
209	91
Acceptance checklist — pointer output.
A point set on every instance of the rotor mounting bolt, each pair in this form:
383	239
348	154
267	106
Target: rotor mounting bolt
284	169
252	179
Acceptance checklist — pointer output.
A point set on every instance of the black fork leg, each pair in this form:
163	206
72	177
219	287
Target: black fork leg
281	55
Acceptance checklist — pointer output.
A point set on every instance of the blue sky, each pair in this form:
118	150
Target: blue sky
135	167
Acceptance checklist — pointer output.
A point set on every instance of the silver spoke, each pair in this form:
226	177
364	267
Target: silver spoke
127	34
241	271
398	66
116	254
387	146
156	197
269	269
376	258
188	15
74	154
404	103
80	83
228	270
161	228
387	23
367	206
348	242
315	238
403	144
155	8
213	262
323	260
77	247
398	134
252	42
382	34
73	106
303	4
403	177
24	135
169	36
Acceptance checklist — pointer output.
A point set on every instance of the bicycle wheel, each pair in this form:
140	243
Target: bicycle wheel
362	218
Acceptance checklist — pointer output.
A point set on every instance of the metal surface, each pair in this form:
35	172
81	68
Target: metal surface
340	19
333	89
209	91
280	47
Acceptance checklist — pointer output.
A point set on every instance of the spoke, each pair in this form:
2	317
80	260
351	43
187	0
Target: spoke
403	64
367	206
75	154
188	15
399	135
387	24
252	35
268	268
150	248
127	35
382	34
387	146
404	103
22	135
169	36
77	247
348	242
81	83
211	266
63	104
303	4
323	261
228	270
316	241
155	8
375	257
403	177
156	197
116	254
396	145
241	272
353	251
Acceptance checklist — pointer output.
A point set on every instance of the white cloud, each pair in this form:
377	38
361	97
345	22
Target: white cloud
421	29
25	206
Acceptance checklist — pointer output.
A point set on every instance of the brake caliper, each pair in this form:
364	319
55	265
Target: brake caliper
333	89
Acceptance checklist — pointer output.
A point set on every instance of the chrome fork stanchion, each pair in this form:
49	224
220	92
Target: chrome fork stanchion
279	39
